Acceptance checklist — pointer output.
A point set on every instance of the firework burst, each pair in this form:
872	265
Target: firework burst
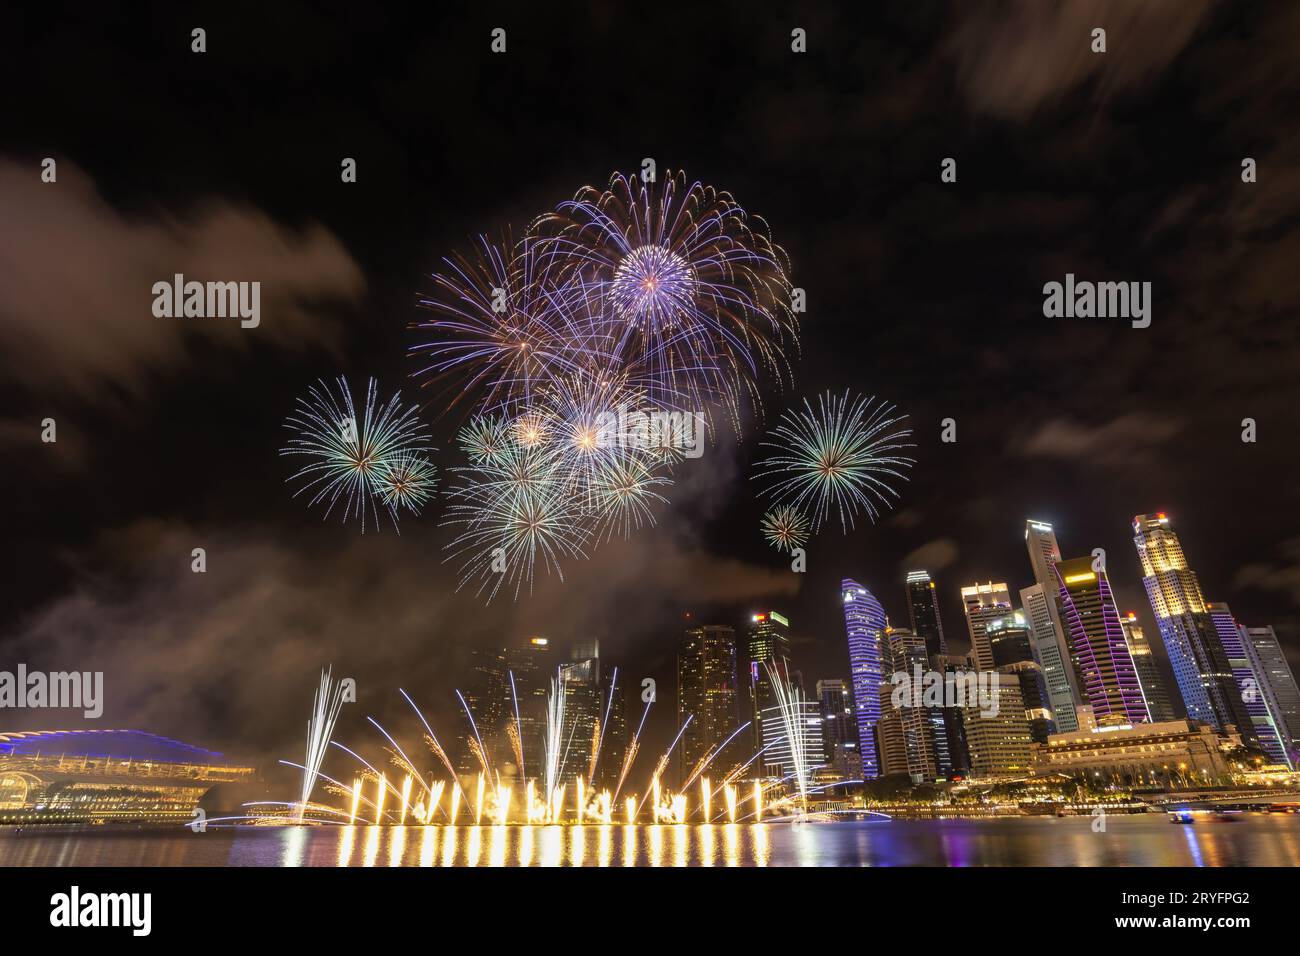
357	460
838	457
785	528
696	297
515	514
499	331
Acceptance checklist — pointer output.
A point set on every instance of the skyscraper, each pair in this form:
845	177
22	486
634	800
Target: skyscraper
864	623
983	603
486	693
1280	677
1259	719
923	612
1199	663
767	646
999	744
583	709
530	667
907	654
1105	670
613	742
1051	649
1144	662
1013	656
706	692
839	729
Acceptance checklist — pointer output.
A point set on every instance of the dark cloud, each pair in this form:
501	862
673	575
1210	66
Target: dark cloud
1018	58
931	556
77	275
1127	441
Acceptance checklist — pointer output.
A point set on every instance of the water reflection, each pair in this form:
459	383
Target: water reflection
1255	840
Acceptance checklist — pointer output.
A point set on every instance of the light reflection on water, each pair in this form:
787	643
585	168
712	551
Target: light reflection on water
1255	840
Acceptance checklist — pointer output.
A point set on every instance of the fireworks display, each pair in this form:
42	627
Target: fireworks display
839	457
566	790
638	302
586	361
785	528
372	463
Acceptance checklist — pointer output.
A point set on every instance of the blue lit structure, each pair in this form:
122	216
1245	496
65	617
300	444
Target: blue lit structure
864	622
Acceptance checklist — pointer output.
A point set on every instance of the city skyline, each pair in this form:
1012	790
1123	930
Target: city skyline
923	291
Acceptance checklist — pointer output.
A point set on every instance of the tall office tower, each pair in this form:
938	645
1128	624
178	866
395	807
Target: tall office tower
583	708
1200	666
1051	648
486	693
951	752
839	730
1280	677
767	646
1144	662
983	603
890	742
530	669
1013	656
706	693
923	612
908	654
999	744
864	624
613	741
1259	719
1106	674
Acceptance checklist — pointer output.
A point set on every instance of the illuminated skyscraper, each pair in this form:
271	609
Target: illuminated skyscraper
923	612
530	667
583	708
1043	613
1278	673
839	730
1199	663
706	692
768	644
1105	670
1144	662
864	624
613	743
1013	656
983	603
999	744
907	653
1259	719
486	692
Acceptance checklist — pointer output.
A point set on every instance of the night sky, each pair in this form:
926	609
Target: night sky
225	165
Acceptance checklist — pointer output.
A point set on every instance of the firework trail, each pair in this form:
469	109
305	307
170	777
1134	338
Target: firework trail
326	704
476	745
785	528
789	701
430	738
516	731
354	460
838	457
553	760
